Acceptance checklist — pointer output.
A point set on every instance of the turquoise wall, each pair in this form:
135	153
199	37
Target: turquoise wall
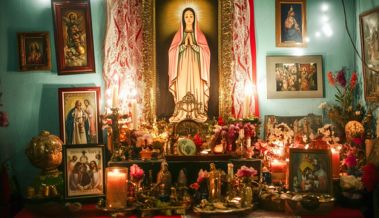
30	98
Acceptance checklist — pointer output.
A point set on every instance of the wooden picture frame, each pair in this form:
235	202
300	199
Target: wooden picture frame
79	126
152	79
310	171
34	51
73	36
294	76
84	171
291	28
369	27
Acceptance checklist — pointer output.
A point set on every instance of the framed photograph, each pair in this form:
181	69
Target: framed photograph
310	170
79	115
34	51
369	24
73	36
294	76
301	125
83	171
290	23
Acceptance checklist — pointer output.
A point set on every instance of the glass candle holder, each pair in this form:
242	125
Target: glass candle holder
116	182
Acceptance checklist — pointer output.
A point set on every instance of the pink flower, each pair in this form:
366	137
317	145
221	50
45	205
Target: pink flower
245	171
350	161
198	141
195	186
203	174
370	177
136	173
331	79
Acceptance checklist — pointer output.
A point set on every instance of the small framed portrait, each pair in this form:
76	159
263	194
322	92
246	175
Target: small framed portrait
83	171
290	23
73	36
369	24
79	115
310	171
34	51
294	76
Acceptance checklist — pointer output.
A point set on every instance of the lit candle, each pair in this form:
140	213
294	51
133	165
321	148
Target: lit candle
335	162
246	111
278	171
134	113
115	97
116	182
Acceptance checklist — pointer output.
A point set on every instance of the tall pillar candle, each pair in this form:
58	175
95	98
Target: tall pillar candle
116	183
278	171
335	163
134	114
115	96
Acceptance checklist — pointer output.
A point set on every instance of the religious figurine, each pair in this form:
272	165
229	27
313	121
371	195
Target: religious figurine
182	178
214	183
164	178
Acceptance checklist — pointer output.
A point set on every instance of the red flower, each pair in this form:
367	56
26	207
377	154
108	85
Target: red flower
195	186
370	177
331	79
357	141
198	141
353	80
220	121
350	161
341	79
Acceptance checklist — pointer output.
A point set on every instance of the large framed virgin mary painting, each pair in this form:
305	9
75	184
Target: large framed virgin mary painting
188	45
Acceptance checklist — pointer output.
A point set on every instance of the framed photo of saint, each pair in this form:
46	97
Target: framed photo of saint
79	115
186	45
290	23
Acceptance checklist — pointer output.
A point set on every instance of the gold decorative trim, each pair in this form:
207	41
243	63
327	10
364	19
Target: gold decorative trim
225	44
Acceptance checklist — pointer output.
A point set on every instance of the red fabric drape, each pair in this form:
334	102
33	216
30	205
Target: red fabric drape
253	56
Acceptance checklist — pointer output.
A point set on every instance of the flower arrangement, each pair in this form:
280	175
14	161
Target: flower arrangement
346	108
246	172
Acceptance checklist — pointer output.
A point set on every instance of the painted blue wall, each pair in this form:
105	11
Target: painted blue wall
30	98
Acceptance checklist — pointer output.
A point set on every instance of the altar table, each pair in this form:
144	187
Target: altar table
91	211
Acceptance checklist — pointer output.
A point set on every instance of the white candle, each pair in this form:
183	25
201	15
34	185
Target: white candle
115	96
116	181
246	111
134	113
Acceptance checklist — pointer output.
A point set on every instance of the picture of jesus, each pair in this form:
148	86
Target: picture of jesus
189	66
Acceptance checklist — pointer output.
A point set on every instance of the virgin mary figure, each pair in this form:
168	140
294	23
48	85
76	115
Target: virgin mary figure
188	69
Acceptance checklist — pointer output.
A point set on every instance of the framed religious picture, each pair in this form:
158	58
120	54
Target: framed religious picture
369	24
290	23
310	171
83	171
34	51
79	115
294	76
73	36
303	126
207	36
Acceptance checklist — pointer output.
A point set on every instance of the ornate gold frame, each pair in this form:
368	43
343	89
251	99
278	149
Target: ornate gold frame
225	17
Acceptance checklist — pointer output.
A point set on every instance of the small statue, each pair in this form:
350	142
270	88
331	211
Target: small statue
182	178
214	183
164	178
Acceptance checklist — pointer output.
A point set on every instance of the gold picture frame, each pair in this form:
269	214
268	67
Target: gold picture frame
369	33
224	68
291	23
34	51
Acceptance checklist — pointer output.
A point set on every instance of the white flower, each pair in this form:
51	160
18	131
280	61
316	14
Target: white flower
323	105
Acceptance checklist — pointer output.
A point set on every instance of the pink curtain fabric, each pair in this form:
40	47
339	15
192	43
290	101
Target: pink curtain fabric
245	101
123	53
